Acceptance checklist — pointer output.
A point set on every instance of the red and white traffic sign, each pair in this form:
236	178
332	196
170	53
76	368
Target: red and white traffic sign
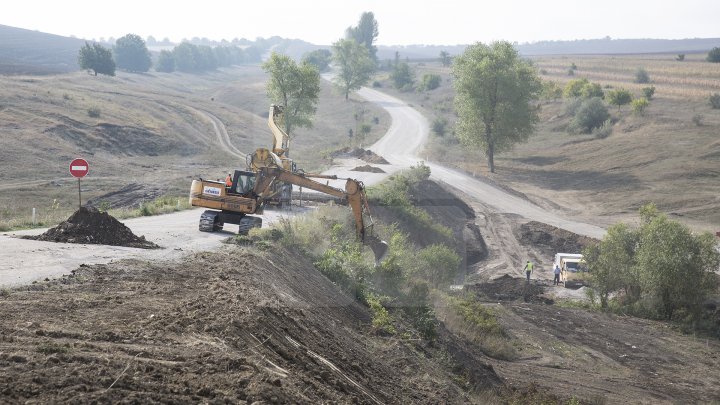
79	168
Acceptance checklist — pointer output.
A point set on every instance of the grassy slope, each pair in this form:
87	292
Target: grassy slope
149	132
661	157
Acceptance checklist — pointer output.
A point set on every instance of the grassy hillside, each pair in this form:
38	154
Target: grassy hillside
663	156
30	52
148	130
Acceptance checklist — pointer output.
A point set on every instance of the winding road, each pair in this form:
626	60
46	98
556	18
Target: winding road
23	261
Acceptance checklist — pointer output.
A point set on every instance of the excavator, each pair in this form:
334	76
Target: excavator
240	203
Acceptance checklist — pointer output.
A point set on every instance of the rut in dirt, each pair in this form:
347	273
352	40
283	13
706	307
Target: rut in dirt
89	225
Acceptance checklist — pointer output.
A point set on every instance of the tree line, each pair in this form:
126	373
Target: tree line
130	53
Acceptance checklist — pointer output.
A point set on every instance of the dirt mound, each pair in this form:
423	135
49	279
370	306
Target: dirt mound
360	153
551	239
508	288
369	169
88	225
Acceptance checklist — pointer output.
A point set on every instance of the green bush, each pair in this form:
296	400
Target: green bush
582	88
591	90
714	55
648	92
381	319
639	105
715	101
619	97
641	76
439	126
604	130
697	119
551	90
591	114
438	264
93	112
429	82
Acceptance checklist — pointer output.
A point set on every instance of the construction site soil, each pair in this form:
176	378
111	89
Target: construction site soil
245	324
368	168
89	225
360	153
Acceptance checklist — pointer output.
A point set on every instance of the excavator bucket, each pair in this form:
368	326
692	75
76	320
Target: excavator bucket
379	247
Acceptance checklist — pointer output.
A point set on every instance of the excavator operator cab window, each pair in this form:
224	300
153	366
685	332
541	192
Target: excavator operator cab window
244	182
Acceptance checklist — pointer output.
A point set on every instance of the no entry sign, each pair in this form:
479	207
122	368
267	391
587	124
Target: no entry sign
79	168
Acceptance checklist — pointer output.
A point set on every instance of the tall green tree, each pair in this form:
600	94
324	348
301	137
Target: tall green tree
320	58
131	54
354	63
165	62
495	92
445	58
295	88
97	58
365	33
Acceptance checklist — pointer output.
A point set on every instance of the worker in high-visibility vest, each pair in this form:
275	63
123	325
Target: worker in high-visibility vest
528	269
228	180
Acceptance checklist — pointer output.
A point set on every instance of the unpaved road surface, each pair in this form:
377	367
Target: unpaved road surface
23	261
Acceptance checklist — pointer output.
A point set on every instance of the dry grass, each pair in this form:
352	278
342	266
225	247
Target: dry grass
664	156
162	142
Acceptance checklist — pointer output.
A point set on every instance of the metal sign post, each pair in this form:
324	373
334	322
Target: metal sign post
79	168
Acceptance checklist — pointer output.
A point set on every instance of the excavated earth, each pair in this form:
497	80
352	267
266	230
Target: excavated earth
362	154
89	225
368	168
233	326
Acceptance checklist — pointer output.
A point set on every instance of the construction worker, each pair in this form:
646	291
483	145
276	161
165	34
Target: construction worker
556	280
528	269
228	180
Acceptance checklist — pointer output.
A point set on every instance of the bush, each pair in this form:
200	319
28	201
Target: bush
714	55
591	90
93	112
639	105
680	57
648	92
619	97
604	130
551	90
641	76
697	119
591	114
582	88
430	82
381	320
377	84
439	126
438	265
715	101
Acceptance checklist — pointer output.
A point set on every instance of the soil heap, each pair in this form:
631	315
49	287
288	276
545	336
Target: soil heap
551	239
360	153
88	225
369	169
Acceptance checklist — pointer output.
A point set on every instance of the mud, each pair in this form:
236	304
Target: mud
551	240
368	168
88	225
231	326
508	288
360	153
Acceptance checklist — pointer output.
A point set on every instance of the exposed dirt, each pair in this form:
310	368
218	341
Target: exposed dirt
360	153
233	326
368	168
88	225
128	196
551	240
508	288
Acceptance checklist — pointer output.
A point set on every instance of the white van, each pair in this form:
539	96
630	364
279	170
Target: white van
573	269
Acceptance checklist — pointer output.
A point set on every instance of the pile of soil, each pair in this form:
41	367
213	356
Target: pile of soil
360	153
369	169
88	225
508	288
551	240
229	326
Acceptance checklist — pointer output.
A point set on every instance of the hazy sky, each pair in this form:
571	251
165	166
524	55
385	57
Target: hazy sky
401	22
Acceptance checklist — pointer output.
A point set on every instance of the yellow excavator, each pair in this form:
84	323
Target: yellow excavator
251	190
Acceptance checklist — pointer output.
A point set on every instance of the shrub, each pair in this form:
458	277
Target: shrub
639	105
715	101
430	82
377	84
381	319
604	130
591	114
680	57
543	72
697	119
570	72
641	76
573	66
619	97
439	126
438	265
714	55
551	90
648	92
574	88
93	112
591	90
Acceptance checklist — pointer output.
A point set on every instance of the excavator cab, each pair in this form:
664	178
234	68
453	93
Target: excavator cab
243	182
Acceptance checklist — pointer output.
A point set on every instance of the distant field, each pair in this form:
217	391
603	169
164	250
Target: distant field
149	131
663	156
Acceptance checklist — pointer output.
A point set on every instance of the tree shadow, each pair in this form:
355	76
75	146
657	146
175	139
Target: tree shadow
585	180
540	160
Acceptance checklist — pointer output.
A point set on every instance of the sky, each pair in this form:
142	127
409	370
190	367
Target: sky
401	22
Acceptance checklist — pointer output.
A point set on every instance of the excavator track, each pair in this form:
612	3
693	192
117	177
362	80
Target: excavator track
210	221
249	222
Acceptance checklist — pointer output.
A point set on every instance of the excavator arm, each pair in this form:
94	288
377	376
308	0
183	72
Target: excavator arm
353	195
